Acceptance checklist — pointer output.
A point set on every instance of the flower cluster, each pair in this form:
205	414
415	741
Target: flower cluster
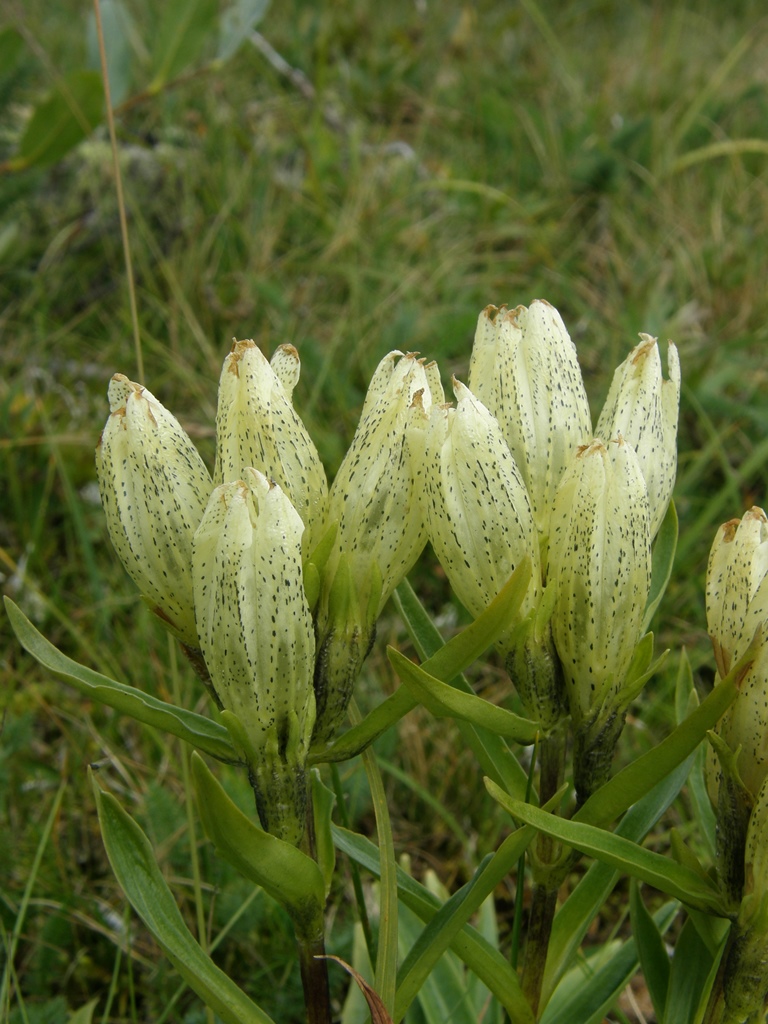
515	471
272	584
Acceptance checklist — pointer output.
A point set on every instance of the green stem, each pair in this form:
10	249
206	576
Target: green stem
547	879
312	959
357	882
314	979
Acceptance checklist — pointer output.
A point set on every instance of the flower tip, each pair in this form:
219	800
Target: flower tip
120	390
460	391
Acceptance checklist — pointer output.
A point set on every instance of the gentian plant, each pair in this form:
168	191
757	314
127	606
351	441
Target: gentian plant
559	541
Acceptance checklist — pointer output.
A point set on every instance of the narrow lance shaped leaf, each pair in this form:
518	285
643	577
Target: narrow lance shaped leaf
654	868
285	873
133	862
445	700
194	729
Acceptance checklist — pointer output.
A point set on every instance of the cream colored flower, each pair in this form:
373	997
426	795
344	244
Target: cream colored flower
600	564
154	488
525	371
257	426
643	408
257	636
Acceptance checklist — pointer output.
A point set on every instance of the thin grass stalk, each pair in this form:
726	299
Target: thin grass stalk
120	197
53	814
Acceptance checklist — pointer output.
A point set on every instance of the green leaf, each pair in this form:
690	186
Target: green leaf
84	1015
661	566
288	875
357	739
185	28
237	23
433	942
194	729
68	115
686	697
119	30
445	701
639	777
659	871
133	862
492	753
588	992
651	951
443	994
475	951
573	919
691	967
445	662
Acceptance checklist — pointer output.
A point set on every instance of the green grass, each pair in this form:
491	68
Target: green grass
453	156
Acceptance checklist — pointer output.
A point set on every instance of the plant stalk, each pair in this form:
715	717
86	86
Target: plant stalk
311	945
547	881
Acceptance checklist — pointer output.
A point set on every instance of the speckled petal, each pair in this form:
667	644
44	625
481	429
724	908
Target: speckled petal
478	511
643	408
373	497
738	565
286	366
737	605
254	622
525	371
154	488
257	426
381	531
600	561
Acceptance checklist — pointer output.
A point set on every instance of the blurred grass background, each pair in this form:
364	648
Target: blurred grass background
433	159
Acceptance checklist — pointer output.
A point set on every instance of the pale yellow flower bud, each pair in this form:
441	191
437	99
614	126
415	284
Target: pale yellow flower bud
374	495
481	527
477	507
525	371
154	488
643	408
381	532
257	426
600	565
257	636
737	606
